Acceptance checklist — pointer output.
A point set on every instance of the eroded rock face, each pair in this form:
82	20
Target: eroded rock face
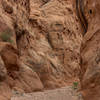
46	51
15	75
3	70
90	69
10	56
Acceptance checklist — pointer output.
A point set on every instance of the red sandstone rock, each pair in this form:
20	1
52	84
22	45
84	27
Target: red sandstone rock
90	52
46	54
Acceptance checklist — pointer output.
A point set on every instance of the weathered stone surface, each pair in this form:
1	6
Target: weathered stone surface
7	7
46	50
3	70
9	55
57	40
48	38
46	54
15	75
90	52
28	80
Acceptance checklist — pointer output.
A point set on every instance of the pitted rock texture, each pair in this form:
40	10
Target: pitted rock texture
40	44
90	52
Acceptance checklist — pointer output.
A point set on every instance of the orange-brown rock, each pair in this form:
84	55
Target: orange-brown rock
48	37
15	75
3	70
46	54
90	52
10	56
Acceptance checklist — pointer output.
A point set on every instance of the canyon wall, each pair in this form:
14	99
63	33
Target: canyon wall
42	47
90	52
40	44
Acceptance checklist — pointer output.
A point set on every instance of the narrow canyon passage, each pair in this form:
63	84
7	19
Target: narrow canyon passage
49	44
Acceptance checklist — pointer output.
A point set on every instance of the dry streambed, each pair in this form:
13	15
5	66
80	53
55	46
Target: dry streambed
65	93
